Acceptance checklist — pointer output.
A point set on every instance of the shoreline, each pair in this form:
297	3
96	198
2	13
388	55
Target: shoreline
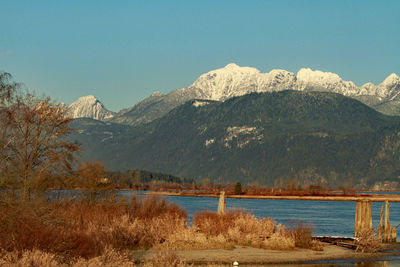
257	256
377	198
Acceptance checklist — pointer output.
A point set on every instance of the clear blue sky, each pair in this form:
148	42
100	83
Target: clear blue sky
122	51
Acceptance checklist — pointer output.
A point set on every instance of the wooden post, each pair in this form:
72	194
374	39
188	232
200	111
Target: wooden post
386	226
393	235
368	215
363	220
362	217
221	204
357	219
380	225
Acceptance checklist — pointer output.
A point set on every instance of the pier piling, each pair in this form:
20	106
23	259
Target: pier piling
380	224
221	203
363	219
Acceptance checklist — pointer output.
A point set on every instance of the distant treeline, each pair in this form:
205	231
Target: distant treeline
138	178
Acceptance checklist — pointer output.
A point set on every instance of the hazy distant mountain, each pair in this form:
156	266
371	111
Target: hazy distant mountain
312	137
232	80
89	107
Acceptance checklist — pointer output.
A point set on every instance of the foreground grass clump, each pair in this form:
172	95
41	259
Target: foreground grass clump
102	231
35	257
369	242
109	258
211	230
240	228
82	228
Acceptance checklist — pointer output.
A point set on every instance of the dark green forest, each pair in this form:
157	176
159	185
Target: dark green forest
136	178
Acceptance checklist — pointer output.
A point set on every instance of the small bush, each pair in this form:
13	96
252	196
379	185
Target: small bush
368	242
241	228
301	234
210	223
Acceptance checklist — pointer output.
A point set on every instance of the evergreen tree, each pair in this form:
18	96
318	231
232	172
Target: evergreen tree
238	188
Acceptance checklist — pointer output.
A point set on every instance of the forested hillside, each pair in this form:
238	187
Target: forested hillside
269	138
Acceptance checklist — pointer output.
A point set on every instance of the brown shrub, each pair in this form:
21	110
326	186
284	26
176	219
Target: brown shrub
36	225
153	206
301	234
241	228
84	228
211	223
368	242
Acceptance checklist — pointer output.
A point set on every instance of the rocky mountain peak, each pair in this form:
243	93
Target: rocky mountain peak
231	66
157	94
391	80
89	107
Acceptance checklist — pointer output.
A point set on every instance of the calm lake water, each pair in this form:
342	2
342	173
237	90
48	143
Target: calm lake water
333	218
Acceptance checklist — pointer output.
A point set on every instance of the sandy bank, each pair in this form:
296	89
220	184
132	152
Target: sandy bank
248	255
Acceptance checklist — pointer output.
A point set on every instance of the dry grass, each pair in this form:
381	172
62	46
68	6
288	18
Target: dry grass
38	225
109	258
96	233
369	242
84	229
33	258
39	258
240	228
301	233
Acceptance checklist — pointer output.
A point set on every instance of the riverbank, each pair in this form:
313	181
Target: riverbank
255	256
371	197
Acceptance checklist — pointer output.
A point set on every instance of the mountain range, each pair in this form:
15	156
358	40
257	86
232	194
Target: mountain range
238	124
298	137
233	80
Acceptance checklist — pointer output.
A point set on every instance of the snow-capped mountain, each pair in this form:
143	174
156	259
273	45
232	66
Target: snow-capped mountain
233	80
89	107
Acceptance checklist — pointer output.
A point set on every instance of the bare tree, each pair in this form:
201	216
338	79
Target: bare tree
35	140
8	90
91	175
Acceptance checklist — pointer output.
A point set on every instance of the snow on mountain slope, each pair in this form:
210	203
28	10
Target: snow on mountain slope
89	107
308	79
392	86
233	80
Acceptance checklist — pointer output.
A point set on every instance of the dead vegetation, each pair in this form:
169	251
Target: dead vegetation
83	232
369	242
